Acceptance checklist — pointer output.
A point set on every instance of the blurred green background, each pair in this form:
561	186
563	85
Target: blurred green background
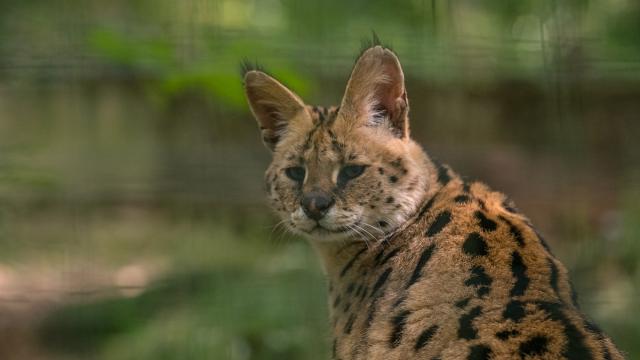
132	220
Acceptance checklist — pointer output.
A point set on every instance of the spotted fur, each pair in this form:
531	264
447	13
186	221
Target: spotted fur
421	264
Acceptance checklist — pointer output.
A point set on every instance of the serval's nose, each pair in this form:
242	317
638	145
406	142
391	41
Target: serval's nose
316	204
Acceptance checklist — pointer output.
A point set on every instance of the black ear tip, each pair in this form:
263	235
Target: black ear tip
247	66
375	39
373	42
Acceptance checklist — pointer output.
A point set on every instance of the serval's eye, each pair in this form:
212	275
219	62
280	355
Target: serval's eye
350	172
295	173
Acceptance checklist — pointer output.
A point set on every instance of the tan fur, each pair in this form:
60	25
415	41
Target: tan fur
420	264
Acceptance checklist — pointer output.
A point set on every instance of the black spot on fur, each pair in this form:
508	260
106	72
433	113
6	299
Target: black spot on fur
508	205
337	146
514	311
461	199
466	329
574	295
466	187
349	324
426	207
389	200
389	256
358	291
478	277
351	262
506	334
443	175
575	349
424	257
398	322
350	288
364	293
381	280
592	327
515	232
439	223
537	345
479	352
482	291
519	270
347	306
378	257
381	171
543	242
372	310
425	336
485	223
553	276
475	245
336	302
462	303
393	179
399	301
383	224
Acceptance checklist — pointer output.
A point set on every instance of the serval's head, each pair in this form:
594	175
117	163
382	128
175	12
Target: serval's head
347	172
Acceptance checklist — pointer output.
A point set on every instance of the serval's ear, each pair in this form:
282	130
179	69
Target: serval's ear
375	94
272	104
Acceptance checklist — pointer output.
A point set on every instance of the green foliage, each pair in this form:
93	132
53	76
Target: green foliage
224	313
208	72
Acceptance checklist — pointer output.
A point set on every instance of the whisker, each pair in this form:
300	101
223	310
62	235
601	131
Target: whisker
358	230
373	227
365	232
